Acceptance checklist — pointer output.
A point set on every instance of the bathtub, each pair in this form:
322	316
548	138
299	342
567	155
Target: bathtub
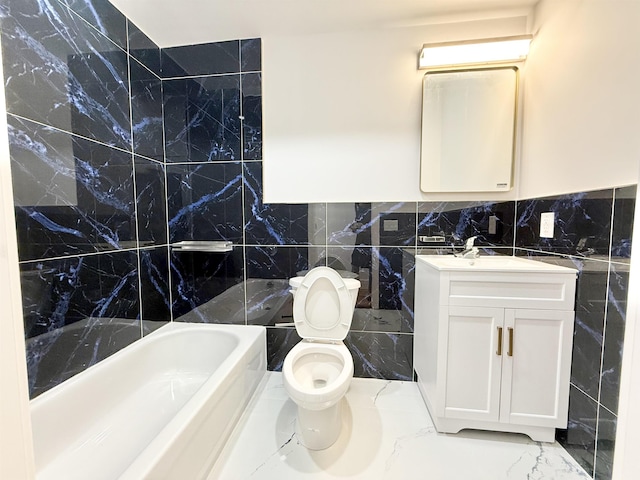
161	408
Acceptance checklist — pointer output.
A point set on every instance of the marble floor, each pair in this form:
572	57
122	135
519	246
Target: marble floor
388	434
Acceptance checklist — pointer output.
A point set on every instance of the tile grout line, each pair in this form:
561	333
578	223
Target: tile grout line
604	332
135	186
242	187
166	200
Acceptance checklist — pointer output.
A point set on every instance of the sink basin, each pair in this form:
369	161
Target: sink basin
496	263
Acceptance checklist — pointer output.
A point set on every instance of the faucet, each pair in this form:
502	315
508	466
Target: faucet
469	250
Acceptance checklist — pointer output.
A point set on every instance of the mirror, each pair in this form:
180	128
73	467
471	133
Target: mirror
468	130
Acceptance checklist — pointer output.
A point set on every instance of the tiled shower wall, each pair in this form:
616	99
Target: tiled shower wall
84	123
121	149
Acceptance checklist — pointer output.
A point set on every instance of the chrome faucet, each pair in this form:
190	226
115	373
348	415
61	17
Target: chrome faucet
469	250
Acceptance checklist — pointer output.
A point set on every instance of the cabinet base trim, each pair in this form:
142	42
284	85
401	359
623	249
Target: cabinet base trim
449	425
537	434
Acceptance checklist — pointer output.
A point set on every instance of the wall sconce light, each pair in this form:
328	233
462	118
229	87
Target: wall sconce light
474	52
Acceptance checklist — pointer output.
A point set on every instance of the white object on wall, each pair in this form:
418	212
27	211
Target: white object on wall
468	125
341	112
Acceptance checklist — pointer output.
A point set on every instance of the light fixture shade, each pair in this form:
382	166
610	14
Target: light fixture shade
475	52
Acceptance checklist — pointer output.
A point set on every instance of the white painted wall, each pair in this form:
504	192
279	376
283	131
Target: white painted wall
582	101
16	449
341	112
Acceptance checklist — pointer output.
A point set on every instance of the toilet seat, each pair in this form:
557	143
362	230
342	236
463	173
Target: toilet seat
322	306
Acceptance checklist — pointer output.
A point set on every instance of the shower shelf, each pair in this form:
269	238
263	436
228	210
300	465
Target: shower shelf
202	246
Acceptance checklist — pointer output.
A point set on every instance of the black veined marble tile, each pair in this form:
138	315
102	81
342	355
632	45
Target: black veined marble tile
103	16
143	49
71	195
201	59
146	112
591	294
281	262
61	72
154	283
371	224
207	287
614	335
202	119
457	221
151	202
606	441
205	202
623	214
280	341
59	292
579	439
251	51
582	223
252	114
385	300
381	355
375	355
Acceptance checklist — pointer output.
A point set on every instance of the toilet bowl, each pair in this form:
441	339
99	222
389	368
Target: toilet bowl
317	371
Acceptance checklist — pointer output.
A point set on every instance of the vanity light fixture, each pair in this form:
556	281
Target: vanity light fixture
474	52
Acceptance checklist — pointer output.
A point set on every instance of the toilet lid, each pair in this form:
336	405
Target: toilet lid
322	305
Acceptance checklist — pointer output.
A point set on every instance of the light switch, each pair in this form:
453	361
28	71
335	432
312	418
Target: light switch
493	225
547	220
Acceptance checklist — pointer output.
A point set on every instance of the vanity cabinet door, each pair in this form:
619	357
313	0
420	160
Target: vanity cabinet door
536	367
471	363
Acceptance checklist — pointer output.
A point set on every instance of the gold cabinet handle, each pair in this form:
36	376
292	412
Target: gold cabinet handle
499	352
510	352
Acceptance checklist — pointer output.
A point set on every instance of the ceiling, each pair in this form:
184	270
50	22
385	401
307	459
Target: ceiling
172	22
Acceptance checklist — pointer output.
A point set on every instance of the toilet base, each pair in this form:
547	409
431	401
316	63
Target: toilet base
319	429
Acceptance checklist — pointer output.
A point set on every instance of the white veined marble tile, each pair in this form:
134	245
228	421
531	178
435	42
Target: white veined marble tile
387	434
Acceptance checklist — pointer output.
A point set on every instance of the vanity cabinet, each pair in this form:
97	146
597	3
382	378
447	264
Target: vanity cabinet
493	344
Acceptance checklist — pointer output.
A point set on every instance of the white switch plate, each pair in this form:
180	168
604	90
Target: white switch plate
547	220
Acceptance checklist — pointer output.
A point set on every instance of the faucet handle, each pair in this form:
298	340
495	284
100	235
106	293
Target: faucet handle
468	244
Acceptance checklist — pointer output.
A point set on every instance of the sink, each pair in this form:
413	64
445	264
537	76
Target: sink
494	263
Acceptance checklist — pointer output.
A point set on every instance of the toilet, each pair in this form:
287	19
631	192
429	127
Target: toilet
318	370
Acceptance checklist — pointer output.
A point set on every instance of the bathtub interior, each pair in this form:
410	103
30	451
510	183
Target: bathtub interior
109	414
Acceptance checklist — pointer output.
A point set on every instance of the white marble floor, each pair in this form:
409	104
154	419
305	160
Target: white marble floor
387	434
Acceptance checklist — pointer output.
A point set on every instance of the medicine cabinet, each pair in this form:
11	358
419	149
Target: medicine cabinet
468	130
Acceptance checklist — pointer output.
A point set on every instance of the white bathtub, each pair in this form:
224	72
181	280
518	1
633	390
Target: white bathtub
162	408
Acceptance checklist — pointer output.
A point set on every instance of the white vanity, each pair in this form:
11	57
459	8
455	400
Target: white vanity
492	343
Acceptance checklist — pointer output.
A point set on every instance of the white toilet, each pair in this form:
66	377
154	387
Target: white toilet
318	370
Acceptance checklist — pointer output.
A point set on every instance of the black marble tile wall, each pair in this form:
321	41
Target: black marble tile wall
582	223
146	112
78	78
457	221
592	235
204	201
202	118
79	107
